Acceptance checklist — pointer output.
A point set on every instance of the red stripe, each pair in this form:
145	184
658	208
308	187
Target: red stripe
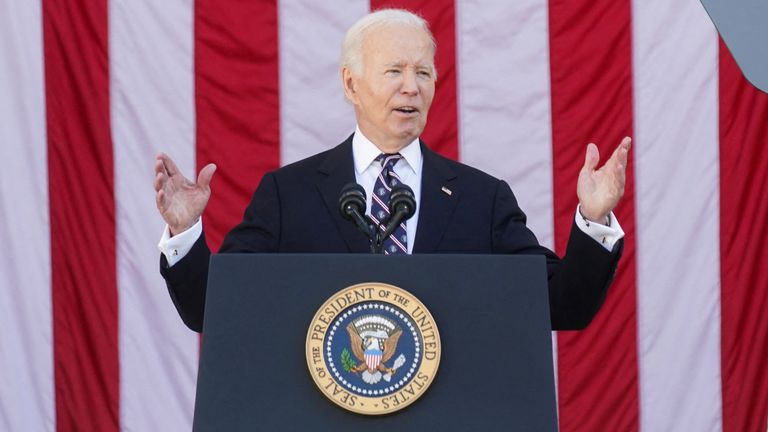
237	100
590	43
442	131
82	214
743	236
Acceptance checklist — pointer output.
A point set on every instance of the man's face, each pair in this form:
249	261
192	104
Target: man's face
393	94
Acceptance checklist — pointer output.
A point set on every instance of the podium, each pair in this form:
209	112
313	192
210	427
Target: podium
492	311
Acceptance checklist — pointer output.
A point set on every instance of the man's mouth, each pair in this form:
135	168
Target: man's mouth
407	110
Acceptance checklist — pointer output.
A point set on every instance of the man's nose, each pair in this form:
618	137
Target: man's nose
409	86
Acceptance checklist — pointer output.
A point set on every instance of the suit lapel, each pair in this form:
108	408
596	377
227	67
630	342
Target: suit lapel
334	173
438	201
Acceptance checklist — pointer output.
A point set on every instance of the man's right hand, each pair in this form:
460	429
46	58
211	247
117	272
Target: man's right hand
180	201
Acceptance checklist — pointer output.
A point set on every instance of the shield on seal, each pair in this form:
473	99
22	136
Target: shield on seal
373	358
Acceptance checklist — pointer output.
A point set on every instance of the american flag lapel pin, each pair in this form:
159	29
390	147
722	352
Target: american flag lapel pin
446	190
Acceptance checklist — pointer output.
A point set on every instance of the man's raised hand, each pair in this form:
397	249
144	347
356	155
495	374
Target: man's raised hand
600	190
180	201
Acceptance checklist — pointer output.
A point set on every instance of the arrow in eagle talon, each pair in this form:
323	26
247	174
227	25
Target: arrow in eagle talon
398	362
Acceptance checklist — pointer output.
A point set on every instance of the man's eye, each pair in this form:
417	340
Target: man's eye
425	74
393	71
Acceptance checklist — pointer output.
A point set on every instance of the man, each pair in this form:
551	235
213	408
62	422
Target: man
388	74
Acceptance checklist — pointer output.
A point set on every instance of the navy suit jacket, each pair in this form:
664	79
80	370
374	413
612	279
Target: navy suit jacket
295	210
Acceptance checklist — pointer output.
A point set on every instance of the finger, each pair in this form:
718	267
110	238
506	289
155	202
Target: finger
160	200
159	166
621	176
624	147
169	165
204	178
618	159
160	180
621	150
592	157
620	155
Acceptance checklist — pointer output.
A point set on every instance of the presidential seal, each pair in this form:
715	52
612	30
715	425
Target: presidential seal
373	348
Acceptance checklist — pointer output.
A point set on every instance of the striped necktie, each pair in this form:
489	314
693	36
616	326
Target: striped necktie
397	242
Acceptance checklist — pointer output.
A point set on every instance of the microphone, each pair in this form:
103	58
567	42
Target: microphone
352	208
402	206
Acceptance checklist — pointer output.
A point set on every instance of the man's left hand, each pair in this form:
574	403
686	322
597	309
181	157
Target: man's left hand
599	190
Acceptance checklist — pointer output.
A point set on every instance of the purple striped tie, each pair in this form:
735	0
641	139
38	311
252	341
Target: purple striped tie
397	242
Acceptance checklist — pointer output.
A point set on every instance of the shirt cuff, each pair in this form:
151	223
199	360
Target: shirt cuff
177	247
606	235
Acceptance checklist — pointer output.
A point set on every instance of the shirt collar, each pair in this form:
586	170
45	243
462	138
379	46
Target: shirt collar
365	153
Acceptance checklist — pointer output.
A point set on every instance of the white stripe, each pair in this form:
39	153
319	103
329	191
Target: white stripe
393	237
27	400
384	182
676	148
381	203
504	103
152	109
314	116
504	108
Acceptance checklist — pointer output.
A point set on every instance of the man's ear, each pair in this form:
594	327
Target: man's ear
348	81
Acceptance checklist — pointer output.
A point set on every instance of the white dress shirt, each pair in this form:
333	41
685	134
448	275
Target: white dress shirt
409	169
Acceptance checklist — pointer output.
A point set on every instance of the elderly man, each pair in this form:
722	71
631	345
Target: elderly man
388	74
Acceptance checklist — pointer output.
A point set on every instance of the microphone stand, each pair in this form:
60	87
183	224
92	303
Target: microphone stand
352	206
389	227
366	225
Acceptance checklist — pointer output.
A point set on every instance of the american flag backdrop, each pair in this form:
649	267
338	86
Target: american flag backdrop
91	90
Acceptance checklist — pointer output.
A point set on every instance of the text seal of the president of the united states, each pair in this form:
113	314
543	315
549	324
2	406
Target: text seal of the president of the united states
373	348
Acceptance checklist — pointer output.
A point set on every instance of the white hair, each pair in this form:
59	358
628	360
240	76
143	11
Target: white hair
352	48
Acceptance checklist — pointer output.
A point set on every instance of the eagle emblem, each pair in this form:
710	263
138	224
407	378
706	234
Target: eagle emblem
373	348
373	340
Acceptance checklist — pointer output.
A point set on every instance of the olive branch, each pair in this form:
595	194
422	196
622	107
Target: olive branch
346	361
